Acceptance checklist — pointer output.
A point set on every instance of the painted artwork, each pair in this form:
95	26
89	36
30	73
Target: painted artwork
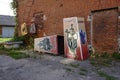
50	44
45	44
75	40
72	39
83	37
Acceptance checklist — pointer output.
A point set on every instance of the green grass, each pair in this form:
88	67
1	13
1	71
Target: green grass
14	53
5	39
101	61
116	55
2	52
83	70
82	73
68	69
17	55
107	77
74	65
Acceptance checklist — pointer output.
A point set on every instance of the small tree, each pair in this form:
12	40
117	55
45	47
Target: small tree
14	6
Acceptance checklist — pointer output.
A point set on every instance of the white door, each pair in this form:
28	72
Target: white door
7	31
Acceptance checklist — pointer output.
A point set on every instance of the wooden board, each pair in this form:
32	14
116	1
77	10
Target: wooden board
75	40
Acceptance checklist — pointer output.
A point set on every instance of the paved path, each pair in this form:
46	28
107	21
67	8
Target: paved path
50	67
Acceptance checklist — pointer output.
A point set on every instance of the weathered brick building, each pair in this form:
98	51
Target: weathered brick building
102	28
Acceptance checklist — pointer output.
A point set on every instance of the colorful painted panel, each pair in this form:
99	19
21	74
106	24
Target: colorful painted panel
83	38
48	44
75	41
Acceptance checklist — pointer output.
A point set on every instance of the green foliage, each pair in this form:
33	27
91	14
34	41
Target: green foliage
0	36
105	55
100	61
82	73
14	6
28	40
31	40
68	69
14	53
107	77
17	55
1	47
94	55
20	38
83	70
116	55
74	65
3	50
2	40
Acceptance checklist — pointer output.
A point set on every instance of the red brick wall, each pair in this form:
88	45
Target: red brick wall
56	10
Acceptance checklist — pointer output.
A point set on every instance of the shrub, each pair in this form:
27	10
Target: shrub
116	55
17	55
105	55
20	38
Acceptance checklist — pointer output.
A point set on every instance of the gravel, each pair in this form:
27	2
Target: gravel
50	67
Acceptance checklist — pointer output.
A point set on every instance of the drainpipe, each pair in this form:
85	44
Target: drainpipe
91	30
91	24
118	26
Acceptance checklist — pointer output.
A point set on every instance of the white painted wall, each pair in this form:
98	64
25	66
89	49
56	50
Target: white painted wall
7	31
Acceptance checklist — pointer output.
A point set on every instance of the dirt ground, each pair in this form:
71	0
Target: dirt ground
50	67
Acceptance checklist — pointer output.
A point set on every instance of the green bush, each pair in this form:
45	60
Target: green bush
20	38
31	40
1	46
95	55
17	55
105	55
116	55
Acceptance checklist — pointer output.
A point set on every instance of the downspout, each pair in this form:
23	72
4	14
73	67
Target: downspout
118	25
91	30
91	24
